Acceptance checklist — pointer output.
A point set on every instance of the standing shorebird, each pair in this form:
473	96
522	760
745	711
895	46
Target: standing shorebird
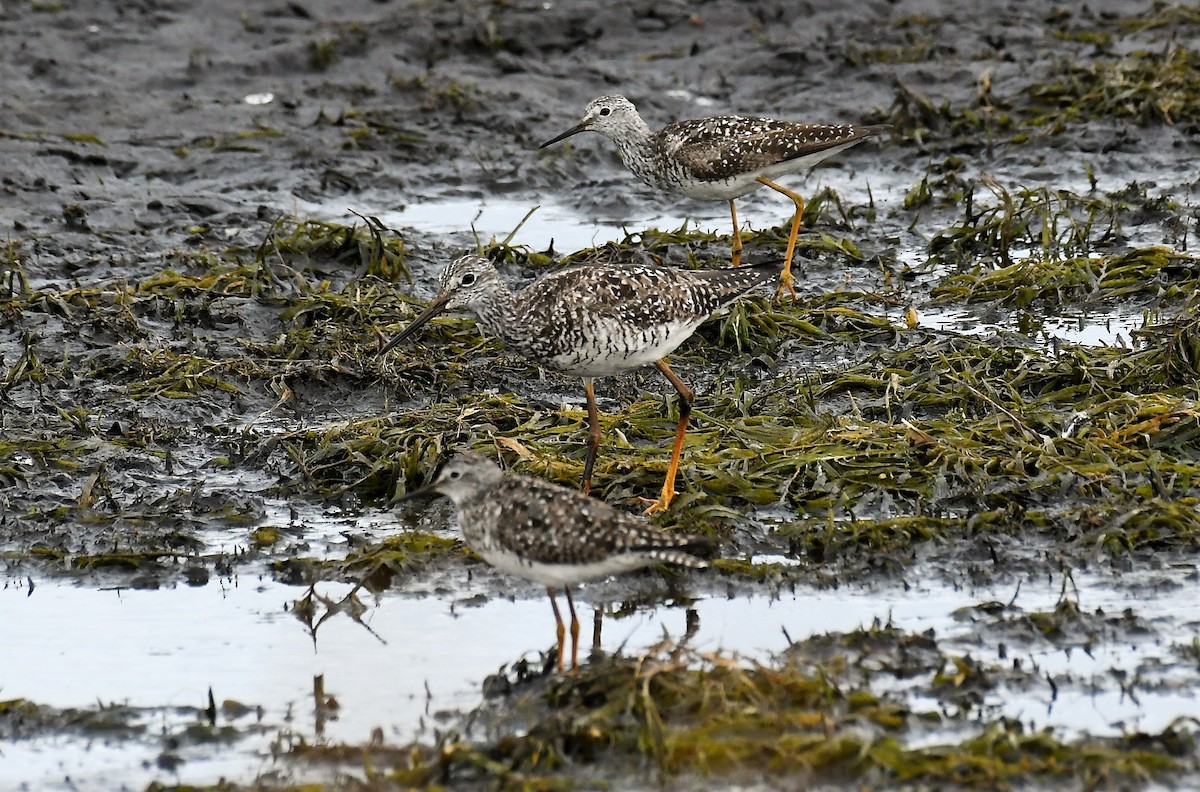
594	321
721	157
550	534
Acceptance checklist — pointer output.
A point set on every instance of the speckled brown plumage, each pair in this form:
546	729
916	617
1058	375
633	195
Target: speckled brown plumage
715	157
721	148
547	533
552	535
720	157
596	320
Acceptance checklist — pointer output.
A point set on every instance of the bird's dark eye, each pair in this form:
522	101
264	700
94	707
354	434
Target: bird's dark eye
453	474
605	110
468	279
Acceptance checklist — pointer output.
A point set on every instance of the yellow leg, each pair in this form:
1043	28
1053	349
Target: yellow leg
574	631
593	445
785	280
559	629
686	397
737	235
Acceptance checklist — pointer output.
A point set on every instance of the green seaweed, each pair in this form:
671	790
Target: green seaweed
797	719
1148	86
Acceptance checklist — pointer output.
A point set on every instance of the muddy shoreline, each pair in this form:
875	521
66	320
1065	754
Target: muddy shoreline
212	216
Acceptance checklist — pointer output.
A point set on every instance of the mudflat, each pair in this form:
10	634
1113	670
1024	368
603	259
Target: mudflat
954	482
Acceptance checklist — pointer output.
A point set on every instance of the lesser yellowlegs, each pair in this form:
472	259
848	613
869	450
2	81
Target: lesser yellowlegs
550	534
594	321
720	157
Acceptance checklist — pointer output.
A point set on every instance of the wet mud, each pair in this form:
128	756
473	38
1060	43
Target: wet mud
955	482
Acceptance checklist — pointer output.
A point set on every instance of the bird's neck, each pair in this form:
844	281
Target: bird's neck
497	314
636	145
477	493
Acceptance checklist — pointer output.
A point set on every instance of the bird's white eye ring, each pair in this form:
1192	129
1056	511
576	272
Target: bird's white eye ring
605	110
468	279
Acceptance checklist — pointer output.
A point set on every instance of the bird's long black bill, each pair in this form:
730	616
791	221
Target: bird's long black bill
575	130
433	309
428	490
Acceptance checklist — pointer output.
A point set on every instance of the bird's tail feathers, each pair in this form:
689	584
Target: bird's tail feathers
744	277
769	269
685	552
678	558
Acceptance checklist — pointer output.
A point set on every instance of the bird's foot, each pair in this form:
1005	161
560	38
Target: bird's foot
662	504
786	285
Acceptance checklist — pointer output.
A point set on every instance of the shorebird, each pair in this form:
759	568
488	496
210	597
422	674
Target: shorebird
593	320
549	534
720	157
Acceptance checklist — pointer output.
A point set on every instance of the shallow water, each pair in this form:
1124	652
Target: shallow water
552	223
161	649
555	225
1098	328
423	655
423	108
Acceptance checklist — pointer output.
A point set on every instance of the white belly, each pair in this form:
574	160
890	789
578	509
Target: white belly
721	190
559	575
606	354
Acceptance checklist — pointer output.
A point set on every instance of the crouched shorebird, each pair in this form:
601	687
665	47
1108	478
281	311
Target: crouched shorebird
594	321
550	534
720	157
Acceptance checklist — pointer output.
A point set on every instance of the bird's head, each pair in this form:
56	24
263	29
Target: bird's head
609	115
467	283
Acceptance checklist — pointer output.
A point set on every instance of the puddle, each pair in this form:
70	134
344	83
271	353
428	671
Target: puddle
1112	328
73	764
422	656
568	229
551	223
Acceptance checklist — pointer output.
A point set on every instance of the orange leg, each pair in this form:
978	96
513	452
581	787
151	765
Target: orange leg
574	631
737	235
560	630
785	280
593	445
686	397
